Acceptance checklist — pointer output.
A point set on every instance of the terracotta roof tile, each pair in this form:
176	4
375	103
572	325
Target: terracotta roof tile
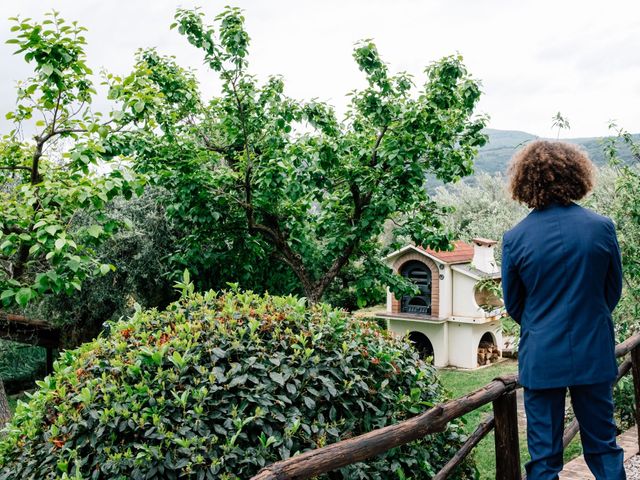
461	253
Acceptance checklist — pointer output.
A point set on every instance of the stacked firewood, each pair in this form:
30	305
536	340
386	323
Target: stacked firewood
487	353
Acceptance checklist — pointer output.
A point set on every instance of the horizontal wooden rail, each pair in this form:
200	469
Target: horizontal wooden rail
30	331
332	457
629	344
479	433
356	449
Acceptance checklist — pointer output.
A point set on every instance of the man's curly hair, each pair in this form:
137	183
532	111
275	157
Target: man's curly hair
544	172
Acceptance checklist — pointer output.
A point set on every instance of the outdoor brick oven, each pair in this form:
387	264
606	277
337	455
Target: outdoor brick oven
453	318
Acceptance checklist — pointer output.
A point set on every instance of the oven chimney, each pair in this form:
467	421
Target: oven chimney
483	258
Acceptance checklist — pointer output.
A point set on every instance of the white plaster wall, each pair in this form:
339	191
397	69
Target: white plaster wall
446	291
464	339
437	333
464	304
389	298
462	350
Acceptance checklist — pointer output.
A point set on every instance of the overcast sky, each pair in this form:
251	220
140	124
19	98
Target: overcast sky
534	58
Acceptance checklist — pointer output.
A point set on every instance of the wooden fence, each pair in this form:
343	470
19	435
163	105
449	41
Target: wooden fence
32	332
501	392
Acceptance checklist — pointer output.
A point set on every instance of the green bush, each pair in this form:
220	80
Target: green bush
220	385
20	363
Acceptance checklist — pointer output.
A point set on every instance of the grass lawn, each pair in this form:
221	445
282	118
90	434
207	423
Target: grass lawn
461	382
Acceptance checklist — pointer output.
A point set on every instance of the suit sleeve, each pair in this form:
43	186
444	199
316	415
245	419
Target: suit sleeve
613	282
513	289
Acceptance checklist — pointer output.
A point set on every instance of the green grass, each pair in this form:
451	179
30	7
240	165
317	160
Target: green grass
460	382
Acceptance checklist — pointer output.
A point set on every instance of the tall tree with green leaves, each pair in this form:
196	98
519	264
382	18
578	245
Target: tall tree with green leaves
54	165
624	205
287	181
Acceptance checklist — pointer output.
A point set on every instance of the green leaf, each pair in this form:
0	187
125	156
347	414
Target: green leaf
51	229
277	377
47	69
23	296
95	230
7	294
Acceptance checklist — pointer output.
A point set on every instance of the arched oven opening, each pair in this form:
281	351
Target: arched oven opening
488	351
420	275
423	345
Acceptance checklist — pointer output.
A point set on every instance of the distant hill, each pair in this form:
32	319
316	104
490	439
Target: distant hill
502	144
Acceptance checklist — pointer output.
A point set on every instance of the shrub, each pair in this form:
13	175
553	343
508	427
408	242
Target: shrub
20	364
219	385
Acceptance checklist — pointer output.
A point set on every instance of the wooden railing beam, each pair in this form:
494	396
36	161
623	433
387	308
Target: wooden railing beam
337	455
570	432
30	331
629	344
479	433
501	392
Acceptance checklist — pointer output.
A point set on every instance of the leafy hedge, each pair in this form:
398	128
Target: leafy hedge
219	385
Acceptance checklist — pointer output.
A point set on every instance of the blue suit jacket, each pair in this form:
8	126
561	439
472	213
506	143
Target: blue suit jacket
561	279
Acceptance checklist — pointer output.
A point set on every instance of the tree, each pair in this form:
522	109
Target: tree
560	122
63	170
286	180
479	209
624	208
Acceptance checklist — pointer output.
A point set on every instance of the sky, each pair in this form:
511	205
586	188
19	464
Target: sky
533	58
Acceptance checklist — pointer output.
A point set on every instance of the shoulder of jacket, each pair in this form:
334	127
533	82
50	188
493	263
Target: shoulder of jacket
517	230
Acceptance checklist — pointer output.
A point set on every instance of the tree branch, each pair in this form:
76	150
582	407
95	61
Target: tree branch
16	167
374	155
360	203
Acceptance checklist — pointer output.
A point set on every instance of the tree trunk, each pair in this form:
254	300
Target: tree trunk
5	411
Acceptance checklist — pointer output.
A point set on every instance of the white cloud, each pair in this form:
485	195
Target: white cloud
533	57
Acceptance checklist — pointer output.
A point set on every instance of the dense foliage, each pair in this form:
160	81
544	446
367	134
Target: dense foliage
139	250
623	203
219	385
47	180
258	176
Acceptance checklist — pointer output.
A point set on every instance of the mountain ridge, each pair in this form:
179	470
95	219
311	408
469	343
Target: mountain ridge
502	144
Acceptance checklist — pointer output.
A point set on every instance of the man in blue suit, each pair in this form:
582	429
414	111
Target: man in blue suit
561	279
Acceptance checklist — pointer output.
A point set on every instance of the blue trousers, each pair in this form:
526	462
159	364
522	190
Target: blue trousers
593	407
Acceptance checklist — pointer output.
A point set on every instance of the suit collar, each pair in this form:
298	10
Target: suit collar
554	205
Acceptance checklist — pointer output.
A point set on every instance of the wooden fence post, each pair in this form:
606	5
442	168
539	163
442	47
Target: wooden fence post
505	413
635	371
49	361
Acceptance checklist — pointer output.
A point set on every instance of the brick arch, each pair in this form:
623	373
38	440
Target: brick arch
435	281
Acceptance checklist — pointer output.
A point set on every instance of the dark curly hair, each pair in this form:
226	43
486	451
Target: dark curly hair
544	172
